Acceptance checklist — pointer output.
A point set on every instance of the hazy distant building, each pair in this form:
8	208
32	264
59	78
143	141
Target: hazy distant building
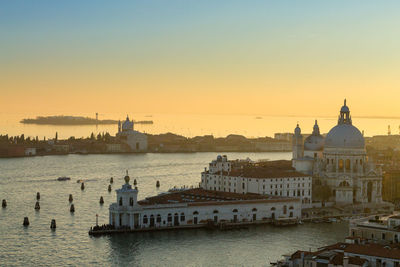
137	141
339	161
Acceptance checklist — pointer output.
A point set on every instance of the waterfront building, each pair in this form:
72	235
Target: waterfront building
381	229
353	252
339	161
136	140
114	148
275	178
30	151
391	185
197	208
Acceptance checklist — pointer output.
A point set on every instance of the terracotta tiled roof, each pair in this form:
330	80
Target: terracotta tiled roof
199	196
385	251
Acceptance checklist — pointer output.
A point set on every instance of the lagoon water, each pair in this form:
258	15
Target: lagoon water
70	244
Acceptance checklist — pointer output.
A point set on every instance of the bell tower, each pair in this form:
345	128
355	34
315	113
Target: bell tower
297	144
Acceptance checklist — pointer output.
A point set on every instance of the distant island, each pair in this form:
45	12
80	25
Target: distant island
73	120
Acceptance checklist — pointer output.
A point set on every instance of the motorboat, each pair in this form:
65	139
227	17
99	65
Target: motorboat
63	178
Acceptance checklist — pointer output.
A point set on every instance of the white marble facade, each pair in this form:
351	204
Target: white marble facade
339	161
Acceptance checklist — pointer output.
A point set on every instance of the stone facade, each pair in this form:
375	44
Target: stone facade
339	161
136	141
196	208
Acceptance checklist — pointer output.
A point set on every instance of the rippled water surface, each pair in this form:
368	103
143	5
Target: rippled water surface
70	243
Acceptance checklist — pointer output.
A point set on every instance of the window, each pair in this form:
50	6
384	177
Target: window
347	164
243	185
182	217
158	218
169	219
195	213
383	236
284	209
144	219
120	201
340	164
131	201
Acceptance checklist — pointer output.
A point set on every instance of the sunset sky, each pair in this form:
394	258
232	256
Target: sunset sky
205	57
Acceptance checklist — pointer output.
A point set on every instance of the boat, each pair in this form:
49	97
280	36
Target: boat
79	181
63	178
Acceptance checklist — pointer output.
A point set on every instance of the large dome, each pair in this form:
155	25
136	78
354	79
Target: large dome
344	136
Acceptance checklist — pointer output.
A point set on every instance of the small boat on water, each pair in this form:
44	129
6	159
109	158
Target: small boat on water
63	178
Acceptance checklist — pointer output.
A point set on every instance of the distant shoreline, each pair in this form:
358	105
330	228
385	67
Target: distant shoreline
73	120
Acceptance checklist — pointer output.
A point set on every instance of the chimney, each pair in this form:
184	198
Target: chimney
345	261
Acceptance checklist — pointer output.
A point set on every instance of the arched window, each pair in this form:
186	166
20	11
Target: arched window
254	209
169	219
120	201
182	217
158	218
144	219
131	201
344	184
340	164
195	213
215	211
273	208
291	207
235	210
347	164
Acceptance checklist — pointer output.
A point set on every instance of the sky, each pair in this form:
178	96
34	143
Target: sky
201	57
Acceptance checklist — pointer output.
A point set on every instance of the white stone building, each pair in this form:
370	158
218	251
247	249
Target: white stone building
137	141
339	161
276	178
197	208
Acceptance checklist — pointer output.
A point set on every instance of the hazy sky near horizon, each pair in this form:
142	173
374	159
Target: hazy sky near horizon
213	57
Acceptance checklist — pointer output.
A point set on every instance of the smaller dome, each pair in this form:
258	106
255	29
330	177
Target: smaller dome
127	125
345	109
315	141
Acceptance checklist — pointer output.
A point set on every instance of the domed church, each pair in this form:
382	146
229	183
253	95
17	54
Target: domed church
136	141
339	161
